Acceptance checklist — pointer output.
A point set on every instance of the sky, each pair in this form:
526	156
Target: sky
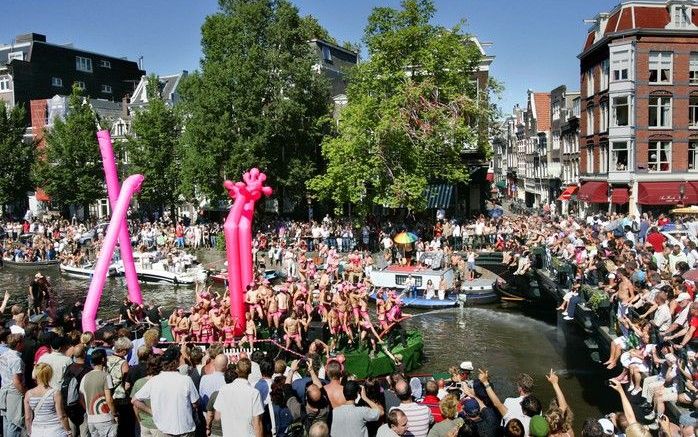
535	42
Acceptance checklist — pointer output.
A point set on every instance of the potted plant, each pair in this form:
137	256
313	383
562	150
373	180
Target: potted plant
601	304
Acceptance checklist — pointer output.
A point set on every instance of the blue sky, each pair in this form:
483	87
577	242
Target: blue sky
535	41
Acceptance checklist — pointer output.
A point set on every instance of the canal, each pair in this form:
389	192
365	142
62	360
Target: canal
500	339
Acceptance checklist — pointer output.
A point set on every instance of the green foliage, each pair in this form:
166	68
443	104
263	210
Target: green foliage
154	148
16	155
71	170
597	298
256	102
413	109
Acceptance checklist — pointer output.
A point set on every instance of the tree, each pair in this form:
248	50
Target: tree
256	100
70	170
413	109
16	156
153	149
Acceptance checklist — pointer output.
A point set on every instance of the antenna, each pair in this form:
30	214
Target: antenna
140	62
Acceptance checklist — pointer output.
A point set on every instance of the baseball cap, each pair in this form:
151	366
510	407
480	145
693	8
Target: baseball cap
607	426
538	427
467	365
683	296
471	407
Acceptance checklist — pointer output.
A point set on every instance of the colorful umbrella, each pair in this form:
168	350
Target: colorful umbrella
687	210
405	238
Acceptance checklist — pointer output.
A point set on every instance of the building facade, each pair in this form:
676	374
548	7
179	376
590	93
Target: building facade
639	107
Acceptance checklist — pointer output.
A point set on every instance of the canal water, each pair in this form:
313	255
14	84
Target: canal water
503	340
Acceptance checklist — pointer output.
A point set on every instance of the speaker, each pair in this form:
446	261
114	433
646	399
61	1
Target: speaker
317	331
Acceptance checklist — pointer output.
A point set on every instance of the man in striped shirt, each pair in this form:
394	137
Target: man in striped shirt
419	416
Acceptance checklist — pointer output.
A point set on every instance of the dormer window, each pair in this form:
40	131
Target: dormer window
681	14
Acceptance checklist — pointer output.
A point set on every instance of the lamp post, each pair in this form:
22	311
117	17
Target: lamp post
682	194
610	198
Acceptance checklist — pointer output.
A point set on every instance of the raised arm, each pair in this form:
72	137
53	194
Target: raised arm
554	381
484	378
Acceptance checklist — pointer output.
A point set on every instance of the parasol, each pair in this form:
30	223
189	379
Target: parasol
405	238
686	210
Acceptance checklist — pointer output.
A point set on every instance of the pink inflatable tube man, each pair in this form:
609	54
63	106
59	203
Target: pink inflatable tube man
238	238
113	188
131	186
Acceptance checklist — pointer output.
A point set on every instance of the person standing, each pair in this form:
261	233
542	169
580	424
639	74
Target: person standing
44	414
239	405
395	426
173	398
349	420
96	389
419	416
213	381
117	366
57	360
12	383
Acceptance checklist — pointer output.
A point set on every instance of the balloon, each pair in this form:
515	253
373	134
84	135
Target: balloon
112	179
238	238
131	186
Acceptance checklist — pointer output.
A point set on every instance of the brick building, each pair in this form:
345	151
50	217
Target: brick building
639	107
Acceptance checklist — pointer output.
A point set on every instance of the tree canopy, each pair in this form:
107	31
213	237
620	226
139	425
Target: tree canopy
70	170
413	110
256	101
16	156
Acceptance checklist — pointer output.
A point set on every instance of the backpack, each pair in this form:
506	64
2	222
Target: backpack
70	387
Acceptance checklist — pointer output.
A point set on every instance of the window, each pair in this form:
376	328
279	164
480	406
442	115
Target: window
80	84
693	112
56	81
692	155
326	54
659	156
681	17
621	111
620	65
83	64
603	117
604	75
619	156
590	82
693	69
603	158
15	55
660	67
104	63
660	112
106	89
590	160
590	121
4	83
556	111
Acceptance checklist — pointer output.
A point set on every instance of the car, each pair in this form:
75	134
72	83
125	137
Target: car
92	233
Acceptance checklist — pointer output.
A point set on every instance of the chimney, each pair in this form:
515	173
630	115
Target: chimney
29	37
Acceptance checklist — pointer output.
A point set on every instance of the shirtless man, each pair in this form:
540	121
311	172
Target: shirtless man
173	322
195	322
250	329
253	302
273	314
334	389
218	322
292	331
183	327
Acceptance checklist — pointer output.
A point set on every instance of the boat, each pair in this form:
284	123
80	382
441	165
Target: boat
30	265
395	276
87	270
420	302
178	268
222	277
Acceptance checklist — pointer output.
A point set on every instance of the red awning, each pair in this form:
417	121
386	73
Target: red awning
41	195
666	193
568	193
593	192
620	196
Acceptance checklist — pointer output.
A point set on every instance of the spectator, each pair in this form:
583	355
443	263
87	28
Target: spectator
395	426
57	360
449	412
213	424
419	417
213	381
44	414
239	406
96	389
348	420
432	400
12	383
145	419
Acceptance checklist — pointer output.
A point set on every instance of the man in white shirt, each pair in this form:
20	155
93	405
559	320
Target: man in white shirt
57	360
523	407
173	398
239	405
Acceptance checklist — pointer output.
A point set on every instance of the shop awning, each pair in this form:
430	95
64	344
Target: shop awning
502	185
620	196
568	193
41	195
666	193
593	192
439	196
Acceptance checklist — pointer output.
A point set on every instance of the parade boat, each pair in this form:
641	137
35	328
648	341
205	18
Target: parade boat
222	276
87	270
11	262
178	268
479	291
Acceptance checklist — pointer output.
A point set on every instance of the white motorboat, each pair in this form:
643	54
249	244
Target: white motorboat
87	270
177	268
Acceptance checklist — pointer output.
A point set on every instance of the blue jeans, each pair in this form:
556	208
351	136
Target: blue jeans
572	306
9	429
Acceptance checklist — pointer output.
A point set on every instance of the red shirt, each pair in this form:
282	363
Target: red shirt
694	323
656	240
432	402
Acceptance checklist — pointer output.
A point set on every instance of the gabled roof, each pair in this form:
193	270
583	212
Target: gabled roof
168	87
540	106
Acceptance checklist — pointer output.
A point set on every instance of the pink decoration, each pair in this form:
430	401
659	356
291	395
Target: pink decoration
113	188
131	186
238	238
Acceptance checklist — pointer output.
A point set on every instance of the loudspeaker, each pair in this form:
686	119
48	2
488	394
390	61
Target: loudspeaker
317	331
